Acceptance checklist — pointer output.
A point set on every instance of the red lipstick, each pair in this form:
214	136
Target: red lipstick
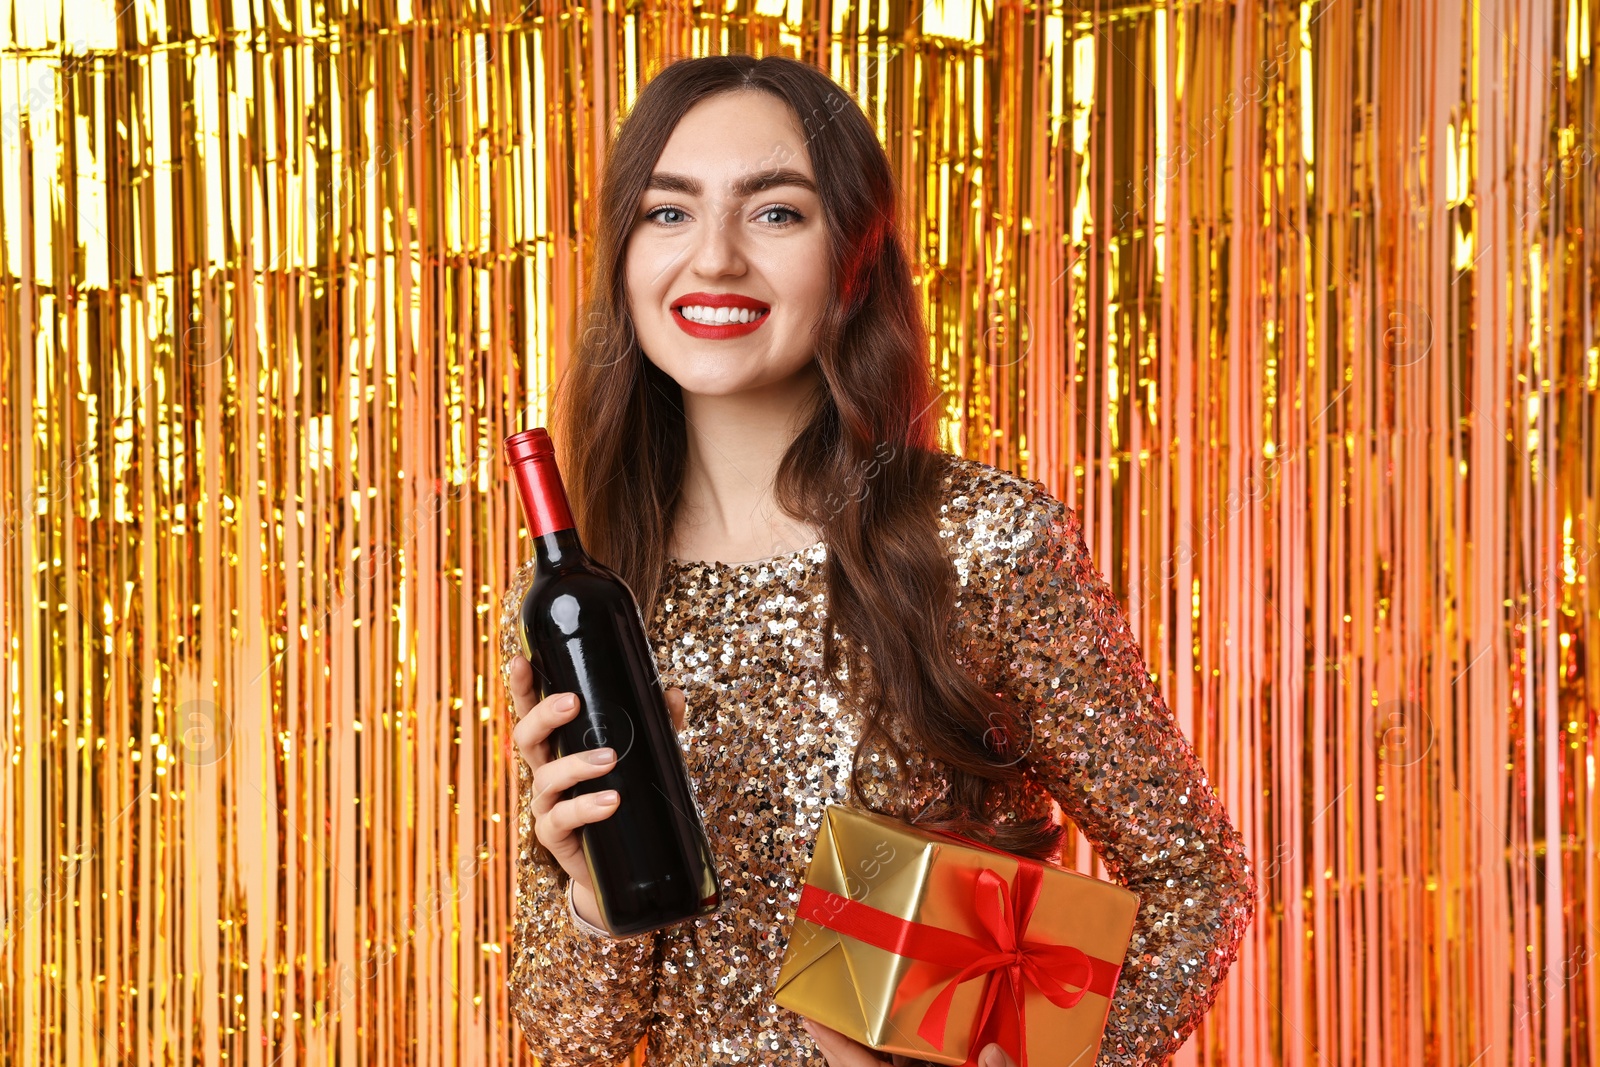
723	331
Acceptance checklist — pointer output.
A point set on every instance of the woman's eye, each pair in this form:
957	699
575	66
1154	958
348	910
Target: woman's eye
659	210
796	216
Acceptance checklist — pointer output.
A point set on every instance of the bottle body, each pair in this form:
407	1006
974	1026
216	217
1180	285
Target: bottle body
649	861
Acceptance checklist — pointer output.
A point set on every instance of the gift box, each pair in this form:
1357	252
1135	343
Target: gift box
927	944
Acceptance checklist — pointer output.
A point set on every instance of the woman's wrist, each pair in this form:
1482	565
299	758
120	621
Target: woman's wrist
589	926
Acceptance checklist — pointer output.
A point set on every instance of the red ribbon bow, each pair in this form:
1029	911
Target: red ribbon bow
1004	958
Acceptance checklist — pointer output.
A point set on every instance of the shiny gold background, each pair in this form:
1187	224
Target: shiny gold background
1296	302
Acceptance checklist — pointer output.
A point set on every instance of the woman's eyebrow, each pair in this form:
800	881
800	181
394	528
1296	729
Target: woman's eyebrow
749	184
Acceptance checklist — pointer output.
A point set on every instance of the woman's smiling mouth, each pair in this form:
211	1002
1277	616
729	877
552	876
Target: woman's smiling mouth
721	316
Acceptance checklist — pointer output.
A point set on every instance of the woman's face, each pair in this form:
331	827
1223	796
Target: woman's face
701	235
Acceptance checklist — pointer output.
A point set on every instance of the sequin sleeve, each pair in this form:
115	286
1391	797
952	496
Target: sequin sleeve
577	998
1107	748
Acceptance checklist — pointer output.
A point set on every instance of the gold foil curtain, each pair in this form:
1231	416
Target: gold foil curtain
1295	302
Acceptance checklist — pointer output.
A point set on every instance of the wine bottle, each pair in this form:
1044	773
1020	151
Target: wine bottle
649	860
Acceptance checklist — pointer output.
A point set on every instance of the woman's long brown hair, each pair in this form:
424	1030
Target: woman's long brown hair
890	585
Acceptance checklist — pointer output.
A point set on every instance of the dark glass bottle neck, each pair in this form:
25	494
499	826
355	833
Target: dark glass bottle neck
558	550
544	504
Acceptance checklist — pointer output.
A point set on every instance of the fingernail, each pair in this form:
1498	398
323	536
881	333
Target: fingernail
600	755
994	1058
607	797
567	703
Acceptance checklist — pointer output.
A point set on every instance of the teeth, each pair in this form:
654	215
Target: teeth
717	316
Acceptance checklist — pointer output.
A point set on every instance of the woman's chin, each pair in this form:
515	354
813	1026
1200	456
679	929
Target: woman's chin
707	378
713	373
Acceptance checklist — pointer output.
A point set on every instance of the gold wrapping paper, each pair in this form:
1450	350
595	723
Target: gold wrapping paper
880	999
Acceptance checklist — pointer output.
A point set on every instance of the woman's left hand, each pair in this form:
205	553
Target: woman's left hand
841	1051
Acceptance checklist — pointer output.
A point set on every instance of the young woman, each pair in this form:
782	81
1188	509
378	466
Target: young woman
843	612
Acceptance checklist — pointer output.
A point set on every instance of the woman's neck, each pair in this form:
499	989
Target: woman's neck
735	443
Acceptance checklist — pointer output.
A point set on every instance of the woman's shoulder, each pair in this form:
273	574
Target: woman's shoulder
990	512
517	587
511	615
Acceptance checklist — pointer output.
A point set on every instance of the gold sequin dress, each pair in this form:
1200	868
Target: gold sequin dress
769	745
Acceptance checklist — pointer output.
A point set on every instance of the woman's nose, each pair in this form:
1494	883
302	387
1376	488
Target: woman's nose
717	246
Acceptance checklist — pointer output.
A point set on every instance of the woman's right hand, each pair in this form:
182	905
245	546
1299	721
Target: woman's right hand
555	821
